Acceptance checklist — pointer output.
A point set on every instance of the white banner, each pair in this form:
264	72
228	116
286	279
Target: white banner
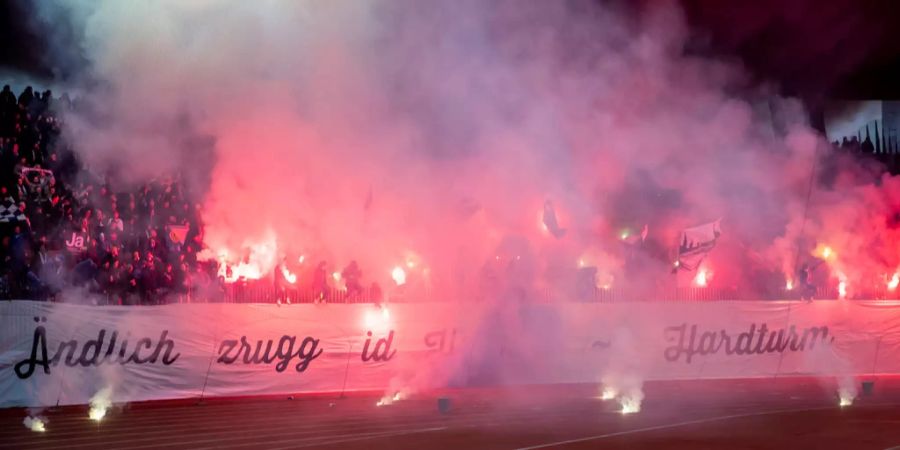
63	354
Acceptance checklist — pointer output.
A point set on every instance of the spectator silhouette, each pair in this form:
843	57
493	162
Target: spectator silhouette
867	146
26	96
320	282
352	276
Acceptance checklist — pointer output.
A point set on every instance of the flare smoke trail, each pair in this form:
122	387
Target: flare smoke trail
370	130
847	391
36	424
100	403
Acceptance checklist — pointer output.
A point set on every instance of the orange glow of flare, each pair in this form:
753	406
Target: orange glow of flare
288	276
824	251
894	281
399	275
630	405
260	259
412	260
35	424
388	400
100	402
377	320
842	289
846	396
702	278
338	281
301	259
608	393
243	270
789	285
97	413
541	225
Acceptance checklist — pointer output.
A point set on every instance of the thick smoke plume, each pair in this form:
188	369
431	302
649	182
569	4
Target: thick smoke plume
393	131
34	421
100	403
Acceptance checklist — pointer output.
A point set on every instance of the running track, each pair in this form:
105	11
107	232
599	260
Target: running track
763	413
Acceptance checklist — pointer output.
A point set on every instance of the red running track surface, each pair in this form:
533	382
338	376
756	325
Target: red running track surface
794	413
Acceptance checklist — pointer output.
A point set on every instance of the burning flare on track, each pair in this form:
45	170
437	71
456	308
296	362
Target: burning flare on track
846	397
100	403
35	424
388	399
631	403
608	393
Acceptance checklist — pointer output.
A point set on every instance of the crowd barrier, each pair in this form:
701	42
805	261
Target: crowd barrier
266	293
54	354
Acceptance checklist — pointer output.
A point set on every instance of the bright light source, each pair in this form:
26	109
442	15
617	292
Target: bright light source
846	396
399	276
261	259
35	424
375	320
97	413
388	399
288	276
608	393
702	278
630	405
100	402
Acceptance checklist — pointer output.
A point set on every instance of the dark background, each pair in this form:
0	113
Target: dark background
812	49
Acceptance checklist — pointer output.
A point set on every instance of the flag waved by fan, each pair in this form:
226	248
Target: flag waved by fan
695	243
551	222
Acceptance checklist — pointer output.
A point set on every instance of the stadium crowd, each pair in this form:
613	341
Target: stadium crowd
62	225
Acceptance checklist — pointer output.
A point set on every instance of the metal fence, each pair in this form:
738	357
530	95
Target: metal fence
267	293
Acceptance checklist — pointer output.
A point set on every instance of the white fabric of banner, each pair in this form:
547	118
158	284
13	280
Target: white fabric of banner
193	350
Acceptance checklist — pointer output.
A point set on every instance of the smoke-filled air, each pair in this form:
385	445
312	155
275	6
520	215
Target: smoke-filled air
441	142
